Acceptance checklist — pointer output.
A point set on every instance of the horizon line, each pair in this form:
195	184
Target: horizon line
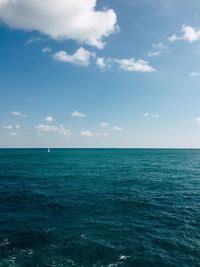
189	148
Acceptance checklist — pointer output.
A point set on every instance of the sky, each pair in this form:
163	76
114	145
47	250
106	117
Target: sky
105	74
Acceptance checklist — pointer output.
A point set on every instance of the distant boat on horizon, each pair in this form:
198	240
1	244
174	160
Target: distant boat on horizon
48	150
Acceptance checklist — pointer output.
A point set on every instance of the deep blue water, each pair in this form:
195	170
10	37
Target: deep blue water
117	207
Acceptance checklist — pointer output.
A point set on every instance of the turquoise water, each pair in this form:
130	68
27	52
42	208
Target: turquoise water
117	207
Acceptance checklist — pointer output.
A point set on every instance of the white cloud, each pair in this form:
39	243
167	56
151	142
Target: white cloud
104	124
17	113
134	65
156	116
16	134
32	39
11	127
160	46
198	120
84	57
151	115
102	134
159	49
7	127
117	128
77	114
80	57
46	50
189	34
194	74
146	114
154	54
87	133
49	118
173	38
103	62
44	128
72	19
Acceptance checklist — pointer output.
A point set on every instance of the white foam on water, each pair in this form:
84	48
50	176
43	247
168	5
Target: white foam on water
123	257
4	243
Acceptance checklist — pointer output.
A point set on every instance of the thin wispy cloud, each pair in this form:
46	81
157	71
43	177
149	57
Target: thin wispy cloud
7	127
78	114
33	40
46	50
15	134
154	54
151	115
18	114
87	133
78	20
159	49
118	128
104	124
194	74
11	127
60	129
160	46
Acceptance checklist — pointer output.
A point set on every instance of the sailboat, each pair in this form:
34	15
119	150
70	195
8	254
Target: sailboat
48	150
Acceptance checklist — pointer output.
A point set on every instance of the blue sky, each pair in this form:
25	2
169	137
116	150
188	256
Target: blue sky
122	73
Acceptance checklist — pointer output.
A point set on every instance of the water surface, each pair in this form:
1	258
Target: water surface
96	208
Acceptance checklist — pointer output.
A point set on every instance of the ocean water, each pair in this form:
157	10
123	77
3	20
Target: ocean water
99	207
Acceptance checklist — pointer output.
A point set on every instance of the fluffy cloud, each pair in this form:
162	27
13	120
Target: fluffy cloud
43	128
49	118
189	34
17	113
133	65
84	57
72	19
80	57
11	127
77	114
87	133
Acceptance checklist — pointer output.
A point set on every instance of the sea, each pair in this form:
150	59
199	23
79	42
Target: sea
99	208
